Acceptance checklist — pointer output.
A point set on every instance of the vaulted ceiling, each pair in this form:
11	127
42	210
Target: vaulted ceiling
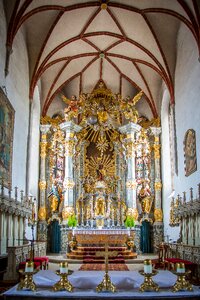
129	44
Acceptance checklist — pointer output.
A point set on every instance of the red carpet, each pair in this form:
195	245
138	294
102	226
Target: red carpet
101	267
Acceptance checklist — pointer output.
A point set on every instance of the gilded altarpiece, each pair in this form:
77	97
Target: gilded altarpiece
102	163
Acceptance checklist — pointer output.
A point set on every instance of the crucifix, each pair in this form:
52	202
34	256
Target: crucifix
106	284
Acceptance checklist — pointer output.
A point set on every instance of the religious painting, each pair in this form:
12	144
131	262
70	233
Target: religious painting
190	152
6	139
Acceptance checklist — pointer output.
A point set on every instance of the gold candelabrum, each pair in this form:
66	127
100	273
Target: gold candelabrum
63	283
148	273
181	283
106	285
26	280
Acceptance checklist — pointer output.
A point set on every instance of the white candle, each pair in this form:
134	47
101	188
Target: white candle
180	268
147	266
63	267
29	267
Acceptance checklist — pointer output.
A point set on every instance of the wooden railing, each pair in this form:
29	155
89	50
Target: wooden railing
18	254
186	252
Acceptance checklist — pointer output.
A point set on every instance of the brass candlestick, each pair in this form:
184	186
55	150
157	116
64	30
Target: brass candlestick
148	284
27	281
182	283
63	283
106	284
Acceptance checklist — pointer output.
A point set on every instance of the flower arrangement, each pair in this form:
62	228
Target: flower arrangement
72	221
129	221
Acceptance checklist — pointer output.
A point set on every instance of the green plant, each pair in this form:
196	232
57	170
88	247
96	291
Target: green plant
129	222
72	221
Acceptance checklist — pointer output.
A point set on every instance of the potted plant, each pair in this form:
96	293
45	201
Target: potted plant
129	222
72	221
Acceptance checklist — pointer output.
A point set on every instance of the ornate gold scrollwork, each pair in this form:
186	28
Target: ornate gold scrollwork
68	184
130	149
158	215
158	186
43	149
42	213
133	212
131	184
42	185
156	148
67	211
69	147
44	137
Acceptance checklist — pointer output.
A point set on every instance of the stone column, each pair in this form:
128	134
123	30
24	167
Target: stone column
42	211
70	129
158	214
130	130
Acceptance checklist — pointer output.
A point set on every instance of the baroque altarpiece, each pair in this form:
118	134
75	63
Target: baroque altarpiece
100	162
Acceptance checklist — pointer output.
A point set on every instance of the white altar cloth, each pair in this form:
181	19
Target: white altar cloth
85	282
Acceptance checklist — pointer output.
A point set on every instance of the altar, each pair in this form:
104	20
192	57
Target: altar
98	237
101	170
85	283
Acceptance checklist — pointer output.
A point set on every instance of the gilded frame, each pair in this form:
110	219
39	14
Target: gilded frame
190	152
7	114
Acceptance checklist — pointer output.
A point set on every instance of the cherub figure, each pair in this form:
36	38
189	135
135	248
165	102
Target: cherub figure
72	110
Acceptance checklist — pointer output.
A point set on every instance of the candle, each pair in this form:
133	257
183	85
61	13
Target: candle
29	266
63	267
180	268
147	266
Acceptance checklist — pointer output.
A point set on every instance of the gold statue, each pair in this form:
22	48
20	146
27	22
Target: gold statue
100	207
146	204
55	196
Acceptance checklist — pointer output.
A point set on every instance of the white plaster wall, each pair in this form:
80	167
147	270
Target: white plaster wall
2	44
187	111
34	145
17	87
187	108
170	233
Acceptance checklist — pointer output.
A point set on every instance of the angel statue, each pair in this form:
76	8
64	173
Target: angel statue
127	106
72	110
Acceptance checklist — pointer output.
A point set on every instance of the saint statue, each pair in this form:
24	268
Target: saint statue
100	207
55	196
101	172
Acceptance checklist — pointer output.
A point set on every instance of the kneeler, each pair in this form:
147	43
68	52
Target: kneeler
170	264
42	260
23	264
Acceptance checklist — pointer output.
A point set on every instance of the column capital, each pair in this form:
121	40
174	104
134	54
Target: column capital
130	128
70	127
44	128
156	131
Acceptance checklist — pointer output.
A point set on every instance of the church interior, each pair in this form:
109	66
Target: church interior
100	149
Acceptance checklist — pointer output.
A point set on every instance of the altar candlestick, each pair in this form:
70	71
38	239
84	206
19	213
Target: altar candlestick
2	187
147	266
184	197
22	195
16	193
199	190
64	267
29	266
9	190
33	212
191	194
180	268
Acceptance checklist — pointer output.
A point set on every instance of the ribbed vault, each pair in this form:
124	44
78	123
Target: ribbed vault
130	45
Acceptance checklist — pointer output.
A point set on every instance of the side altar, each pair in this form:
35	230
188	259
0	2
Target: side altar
100	166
